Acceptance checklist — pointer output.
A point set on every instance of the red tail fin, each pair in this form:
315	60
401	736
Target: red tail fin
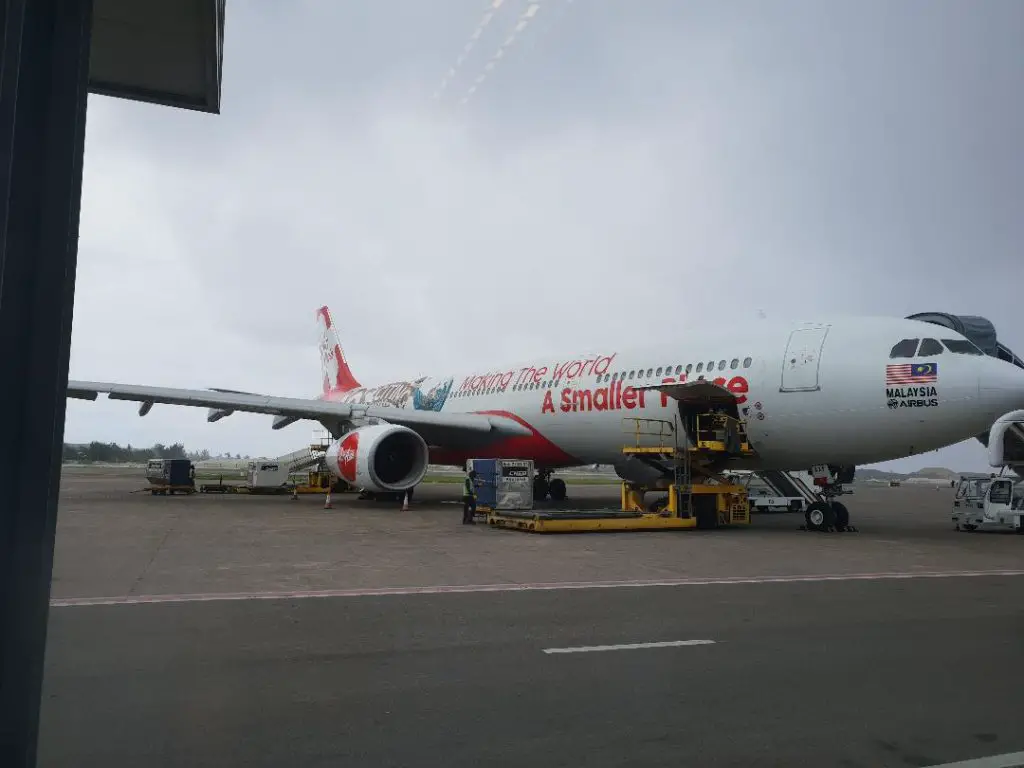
333	367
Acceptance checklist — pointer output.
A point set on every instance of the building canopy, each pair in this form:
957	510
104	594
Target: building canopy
165	52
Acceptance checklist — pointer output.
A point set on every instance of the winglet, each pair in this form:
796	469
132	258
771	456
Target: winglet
336	375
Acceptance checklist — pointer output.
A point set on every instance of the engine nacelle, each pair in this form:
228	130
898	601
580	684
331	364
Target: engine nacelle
383	457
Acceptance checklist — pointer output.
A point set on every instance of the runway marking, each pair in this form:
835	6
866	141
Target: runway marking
69	602
1007	760
629	646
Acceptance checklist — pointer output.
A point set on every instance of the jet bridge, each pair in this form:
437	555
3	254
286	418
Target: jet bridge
982	333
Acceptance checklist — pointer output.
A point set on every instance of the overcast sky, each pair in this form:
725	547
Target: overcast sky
811	158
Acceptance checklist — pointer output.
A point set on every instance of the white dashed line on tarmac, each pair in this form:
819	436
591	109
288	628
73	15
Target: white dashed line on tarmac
629	646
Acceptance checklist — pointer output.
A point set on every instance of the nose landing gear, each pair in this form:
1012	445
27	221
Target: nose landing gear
826	513
826	516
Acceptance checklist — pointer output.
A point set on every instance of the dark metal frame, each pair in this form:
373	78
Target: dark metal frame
43	95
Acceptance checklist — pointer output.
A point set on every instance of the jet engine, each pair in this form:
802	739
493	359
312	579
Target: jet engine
379	458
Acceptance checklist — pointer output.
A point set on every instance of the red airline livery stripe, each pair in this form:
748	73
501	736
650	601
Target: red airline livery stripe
535	446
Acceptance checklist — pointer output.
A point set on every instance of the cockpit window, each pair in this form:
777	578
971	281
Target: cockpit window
962	347
930	348
905	348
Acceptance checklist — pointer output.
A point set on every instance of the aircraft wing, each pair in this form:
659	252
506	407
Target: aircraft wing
435	428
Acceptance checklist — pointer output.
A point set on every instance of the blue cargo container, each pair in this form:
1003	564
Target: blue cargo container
486	475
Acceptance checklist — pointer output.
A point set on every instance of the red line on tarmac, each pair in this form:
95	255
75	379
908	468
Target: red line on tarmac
70	602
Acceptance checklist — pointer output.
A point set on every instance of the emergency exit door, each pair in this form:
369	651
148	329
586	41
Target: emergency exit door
803	358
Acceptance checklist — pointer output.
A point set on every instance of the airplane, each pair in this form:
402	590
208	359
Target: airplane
853	390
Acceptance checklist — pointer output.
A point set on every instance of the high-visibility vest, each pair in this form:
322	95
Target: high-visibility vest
469	487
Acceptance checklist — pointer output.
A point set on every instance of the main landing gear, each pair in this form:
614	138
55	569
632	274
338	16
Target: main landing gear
827	515
544	486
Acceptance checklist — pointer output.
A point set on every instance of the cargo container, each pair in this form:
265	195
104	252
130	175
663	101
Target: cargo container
169	473
505	483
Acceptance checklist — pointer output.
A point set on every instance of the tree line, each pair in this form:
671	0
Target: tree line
112	453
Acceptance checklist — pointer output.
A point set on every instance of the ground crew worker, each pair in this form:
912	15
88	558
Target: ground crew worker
469	498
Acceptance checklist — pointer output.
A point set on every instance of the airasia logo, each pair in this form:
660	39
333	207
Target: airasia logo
347	451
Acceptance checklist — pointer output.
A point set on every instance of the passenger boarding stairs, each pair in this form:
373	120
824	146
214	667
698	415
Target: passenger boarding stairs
301	460
313	456
789	485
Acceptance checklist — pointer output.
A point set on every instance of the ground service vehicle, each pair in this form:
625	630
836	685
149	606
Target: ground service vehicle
988	503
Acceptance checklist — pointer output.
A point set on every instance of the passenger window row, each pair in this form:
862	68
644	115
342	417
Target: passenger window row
668	370
649	373
931	348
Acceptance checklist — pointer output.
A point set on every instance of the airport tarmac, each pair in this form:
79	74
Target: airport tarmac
263	631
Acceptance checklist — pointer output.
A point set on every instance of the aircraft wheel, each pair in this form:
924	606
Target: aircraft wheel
557	489
819	517
540	489
842	515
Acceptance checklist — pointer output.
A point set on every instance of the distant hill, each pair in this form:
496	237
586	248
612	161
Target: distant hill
937	473
927	473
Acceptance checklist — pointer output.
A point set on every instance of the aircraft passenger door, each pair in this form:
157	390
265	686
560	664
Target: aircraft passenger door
803	357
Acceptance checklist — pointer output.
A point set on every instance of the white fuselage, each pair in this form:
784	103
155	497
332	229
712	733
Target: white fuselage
815	393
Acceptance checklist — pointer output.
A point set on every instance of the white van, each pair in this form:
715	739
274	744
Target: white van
988	503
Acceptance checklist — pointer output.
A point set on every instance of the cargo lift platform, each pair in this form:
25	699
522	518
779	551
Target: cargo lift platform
718	505
583	521
697	495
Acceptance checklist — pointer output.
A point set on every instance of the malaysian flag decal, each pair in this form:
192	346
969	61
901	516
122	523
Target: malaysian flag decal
911	373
